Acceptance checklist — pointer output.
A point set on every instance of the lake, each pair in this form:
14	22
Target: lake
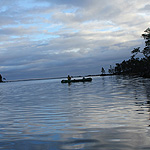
109	113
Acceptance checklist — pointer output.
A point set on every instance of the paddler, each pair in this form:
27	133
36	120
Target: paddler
69	78
1	78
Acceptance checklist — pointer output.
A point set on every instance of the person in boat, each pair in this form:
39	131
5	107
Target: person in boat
1	78
69	78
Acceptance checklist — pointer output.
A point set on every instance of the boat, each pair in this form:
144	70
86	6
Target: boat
77	80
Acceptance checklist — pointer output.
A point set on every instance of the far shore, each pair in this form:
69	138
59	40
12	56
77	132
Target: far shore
32	79
80	76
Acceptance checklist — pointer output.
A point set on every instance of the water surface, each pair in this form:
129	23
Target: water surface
109	113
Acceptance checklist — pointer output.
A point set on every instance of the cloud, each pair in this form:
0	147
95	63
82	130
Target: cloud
146	9
50	38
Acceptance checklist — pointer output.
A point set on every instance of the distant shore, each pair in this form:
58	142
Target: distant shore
80	76
50	78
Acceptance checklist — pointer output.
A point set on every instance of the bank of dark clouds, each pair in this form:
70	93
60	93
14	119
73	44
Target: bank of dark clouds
55	38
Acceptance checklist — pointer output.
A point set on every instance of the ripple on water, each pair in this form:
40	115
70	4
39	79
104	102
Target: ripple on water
107	113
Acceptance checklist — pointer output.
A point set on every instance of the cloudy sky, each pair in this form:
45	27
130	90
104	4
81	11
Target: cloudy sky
48	38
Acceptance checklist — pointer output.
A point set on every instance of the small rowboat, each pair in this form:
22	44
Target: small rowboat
77	80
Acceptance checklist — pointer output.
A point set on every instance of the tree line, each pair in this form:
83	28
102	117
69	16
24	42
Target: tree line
135	65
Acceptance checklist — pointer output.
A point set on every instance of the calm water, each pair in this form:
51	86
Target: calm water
109	113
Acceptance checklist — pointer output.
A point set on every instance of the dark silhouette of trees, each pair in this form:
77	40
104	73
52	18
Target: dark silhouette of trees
135	52
103	70
146	50
135	65
146	36
111	70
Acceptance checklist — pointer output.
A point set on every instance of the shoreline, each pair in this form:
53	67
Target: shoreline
51	78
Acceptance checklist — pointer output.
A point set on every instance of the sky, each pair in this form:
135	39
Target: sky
54	38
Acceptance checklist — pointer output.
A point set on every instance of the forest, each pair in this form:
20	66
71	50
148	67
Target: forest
135	65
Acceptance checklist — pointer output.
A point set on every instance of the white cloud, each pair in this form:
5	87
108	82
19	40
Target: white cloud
58	37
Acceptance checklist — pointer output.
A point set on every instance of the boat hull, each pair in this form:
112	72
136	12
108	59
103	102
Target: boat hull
77	80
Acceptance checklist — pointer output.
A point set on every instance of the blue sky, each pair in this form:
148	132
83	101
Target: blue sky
48	38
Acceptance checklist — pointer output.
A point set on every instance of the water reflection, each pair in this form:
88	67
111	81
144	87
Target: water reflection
107	113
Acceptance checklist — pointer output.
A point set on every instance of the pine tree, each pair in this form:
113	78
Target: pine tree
146	36
146	50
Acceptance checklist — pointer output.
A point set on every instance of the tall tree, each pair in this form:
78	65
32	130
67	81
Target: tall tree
136	66
146	50
146	36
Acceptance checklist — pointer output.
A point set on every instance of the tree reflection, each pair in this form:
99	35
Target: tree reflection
146	104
